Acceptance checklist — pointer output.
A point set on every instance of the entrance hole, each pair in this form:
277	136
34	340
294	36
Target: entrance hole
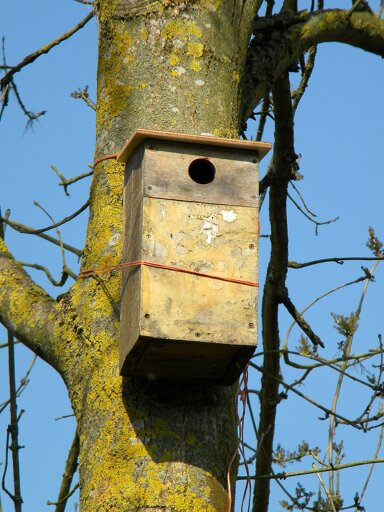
202	171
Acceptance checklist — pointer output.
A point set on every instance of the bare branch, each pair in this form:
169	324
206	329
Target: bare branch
82	94
326	490
32	116
291	34
57	224
23	382
302	200
22	228
307	72
41	51
283	475
66	272
318	223
26	309
5	345
263	116
69	471
299	319
328	412
281	174
66	182
340	261
331	364
13	426
375	457
346	352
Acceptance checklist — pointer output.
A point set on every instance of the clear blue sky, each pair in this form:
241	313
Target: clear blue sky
339	134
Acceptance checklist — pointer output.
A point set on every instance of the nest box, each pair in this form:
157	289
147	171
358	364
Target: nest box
189	202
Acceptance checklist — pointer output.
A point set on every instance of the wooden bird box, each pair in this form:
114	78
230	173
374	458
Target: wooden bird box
190	202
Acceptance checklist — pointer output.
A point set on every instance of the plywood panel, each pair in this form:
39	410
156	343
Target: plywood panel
209	239
132	243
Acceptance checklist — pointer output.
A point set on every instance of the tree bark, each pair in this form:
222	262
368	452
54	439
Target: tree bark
150	446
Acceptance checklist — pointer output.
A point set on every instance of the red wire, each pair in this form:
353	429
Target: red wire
241	395
105	157
102	270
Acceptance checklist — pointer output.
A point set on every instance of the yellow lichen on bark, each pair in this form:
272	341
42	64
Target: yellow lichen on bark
144	445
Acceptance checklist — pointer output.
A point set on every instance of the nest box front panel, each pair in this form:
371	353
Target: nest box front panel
176	325
212	239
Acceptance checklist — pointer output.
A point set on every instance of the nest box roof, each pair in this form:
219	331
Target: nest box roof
260	148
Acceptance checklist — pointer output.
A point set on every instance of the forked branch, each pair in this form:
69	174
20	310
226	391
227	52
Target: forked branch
26	309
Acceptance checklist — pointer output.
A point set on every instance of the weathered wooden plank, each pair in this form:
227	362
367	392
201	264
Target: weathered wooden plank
207	362
167	174
132	243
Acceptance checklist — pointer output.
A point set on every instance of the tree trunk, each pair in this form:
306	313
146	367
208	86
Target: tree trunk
150	446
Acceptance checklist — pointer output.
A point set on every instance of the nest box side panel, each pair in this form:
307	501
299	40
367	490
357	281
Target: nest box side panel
132	251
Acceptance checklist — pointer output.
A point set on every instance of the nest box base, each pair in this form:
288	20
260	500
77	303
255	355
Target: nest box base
182	361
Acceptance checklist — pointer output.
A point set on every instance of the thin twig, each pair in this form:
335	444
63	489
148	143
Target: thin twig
263	116
65	183
65	269
316	222
69	471
13	426
32	116
283	475
3	225
328	412
340	287
329	495
5	345
346	352
306	75
82	94
64	417
357	357
4	94
71	492
3	486
22	228
378	447
57	224
330	365
302	199
340	261
23	382
66	272
41	51
299	319
354	7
